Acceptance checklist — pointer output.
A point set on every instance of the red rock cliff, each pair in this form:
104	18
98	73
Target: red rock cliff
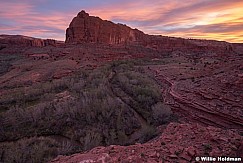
25	41
85	28
90	29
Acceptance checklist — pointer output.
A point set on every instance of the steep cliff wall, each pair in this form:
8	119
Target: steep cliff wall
85	28
89	29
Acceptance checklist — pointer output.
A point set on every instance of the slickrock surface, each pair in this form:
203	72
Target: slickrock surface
178	143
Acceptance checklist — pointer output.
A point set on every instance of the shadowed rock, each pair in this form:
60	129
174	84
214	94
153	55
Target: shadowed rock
20	40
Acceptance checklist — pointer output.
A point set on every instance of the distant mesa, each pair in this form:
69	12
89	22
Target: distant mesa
20	40
90	29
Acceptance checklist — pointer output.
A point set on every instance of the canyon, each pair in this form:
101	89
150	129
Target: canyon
111	93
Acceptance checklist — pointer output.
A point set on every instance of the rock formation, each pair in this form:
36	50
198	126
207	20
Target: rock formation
178	143
85	28
90	29
20	40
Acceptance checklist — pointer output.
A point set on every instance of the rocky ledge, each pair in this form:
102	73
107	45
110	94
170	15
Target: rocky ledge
23	41
178	143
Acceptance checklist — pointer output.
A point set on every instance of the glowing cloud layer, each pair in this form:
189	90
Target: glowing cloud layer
205	19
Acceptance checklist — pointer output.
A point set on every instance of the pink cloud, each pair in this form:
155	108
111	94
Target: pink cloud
14	10
27	21
192	18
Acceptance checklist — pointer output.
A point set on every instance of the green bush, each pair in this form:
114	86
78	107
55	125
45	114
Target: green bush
143	91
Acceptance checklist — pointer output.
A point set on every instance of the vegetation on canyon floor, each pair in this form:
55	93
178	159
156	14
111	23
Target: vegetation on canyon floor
117	103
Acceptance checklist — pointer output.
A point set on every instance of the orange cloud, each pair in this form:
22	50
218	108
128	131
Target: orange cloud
218	19
189	19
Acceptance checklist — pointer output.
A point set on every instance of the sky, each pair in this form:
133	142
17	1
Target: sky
204	19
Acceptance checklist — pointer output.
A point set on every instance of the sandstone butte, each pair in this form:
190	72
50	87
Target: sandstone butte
85	28
90	29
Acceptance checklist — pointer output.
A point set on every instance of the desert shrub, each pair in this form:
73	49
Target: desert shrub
161	113
98	112
149	132
65	148
29	150
92	139
142	89
7	60
33	95
122	138
36	149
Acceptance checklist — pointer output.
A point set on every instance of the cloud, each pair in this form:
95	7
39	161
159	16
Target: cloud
13	10
217	19
22	18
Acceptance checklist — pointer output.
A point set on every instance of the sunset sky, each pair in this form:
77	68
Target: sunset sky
207	19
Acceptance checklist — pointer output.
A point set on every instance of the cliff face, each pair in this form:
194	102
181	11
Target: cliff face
85	28
89	29
25	41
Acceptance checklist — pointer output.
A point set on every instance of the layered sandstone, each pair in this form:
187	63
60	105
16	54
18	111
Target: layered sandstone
89	29
85	28
25	41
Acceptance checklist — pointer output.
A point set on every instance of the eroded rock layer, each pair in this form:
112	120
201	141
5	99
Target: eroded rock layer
20	40
89	29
